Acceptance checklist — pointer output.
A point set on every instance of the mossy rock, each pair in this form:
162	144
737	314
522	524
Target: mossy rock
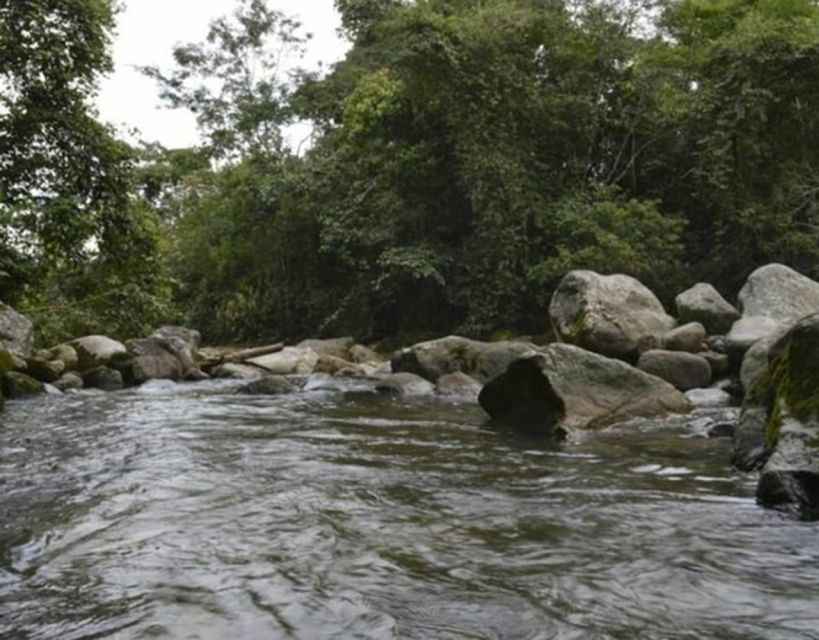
19	385
7	363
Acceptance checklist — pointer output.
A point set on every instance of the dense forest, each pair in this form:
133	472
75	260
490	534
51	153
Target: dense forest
465	155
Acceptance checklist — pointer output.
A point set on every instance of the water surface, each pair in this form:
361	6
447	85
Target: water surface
183	511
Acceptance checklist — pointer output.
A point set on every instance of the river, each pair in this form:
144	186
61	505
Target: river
184	511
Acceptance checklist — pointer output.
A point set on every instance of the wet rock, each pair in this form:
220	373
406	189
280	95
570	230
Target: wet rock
404	384
16	331
96	351
288	361
790	477
684	370
66	354
722	430
436	358
236	371
616	316
7	362
689	338
103	378
268	386
755	360
457	384
70	381
19	385
702	303
45	370
566	387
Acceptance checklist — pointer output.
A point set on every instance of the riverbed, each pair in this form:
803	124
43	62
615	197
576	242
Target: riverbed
185	511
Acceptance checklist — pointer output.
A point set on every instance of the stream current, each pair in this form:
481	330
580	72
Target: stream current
185	511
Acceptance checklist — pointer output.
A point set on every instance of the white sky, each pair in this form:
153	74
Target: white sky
147	32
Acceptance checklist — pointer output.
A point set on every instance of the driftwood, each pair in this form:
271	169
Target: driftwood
255	352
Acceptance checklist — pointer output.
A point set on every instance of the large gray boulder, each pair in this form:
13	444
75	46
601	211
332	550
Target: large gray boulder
480	360
564	386
790	477
154	359
616	316
16	331
684	370
96	351
755	360
703	303
774	298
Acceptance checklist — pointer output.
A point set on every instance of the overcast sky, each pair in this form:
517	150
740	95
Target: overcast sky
148	31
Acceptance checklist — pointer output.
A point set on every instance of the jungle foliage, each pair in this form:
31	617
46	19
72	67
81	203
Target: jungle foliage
466	154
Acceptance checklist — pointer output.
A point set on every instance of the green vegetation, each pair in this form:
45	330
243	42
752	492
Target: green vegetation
466	154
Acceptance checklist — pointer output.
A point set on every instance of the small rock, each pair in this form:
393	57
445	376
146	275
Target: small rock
196	375
66	354
720	363
69	381
684	370
689	338
45	370
288	361
458	384
235	371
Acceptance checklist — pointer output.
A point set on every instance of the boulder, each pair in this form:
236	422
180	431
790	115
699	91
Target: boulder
703	303
18	385
66	354
103	378
288	361
755	360
404	384
750	451
69	381
615	316
684	370
566	387
457	384
268	386
45	370
689	337
790	477
481	360
334	347
773	298
190	337
96	351
154	359
16	331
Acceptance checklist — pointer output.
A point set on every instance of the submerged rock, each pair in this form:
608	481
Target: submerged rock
17	385
564	386
616	316
703	303
404	384
436	358
16	331
684	370
268	386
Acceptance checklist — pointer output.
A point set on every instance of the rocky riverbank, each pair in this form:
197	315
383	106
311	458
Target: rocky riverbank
618	355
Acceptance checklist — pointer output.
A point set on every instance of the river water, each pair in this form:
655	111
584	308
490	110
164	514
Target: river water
184	511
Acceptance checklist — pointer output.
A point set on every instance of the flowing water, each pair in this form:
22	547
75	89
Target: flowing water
188	512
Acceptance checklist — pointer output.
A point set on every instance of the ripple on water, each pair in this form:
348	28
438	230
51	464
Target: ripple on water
184	511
